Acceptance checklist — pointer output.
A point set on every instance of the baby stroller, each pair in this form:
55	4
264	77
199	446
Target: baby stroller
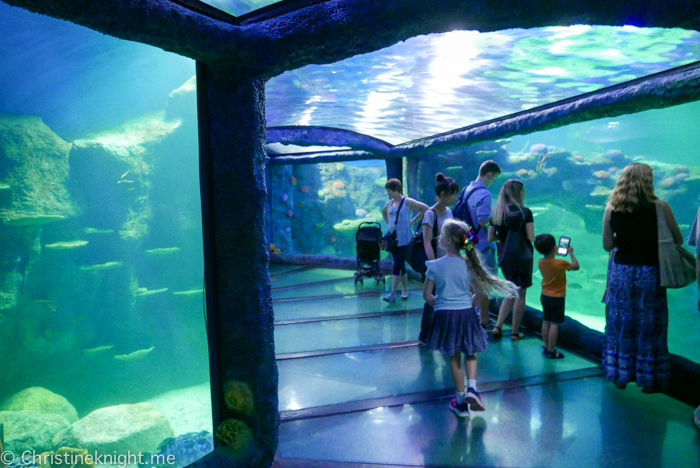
367	237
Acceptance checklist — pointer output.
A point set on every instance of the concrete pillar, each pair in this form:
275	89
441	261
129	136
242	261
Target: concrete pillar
240	321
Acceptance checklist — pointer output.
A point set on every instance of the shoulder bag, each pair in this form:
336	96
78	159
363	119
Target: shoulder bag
417	257
677	267
389	241
517	251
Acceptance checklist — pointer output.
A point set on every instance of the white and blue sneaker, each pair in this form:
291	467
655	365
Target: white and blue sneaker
474	399
461	409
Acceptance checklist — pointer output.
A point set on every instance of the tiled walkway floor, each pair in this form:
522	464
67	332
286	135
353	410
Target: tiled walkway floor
357	390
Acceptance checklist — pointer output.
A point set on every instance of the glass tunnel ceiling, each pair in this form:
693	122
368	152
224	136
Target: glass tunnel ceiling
239	7
440	82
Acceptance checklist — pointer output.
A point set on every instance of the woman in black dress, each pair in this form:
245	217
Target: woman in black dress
510	214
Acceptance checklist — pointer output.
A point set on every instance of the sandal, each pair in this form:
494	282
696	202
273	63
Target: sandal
497	332
553	354
516	336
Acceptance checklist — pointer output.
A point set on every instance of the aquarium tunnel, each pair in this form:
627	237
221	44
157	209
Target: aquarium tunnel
179	218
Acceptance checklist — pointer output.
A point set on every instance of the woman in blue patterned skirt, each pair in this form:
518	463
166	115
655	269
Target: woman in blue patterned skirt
636	321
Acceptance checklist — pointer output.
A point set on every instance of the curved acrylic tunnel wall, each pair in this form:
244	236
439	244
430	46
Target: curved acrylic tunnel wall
568	173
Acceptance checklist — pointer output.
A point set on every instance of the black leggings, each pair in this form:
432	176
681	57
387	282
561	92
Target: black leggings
399	256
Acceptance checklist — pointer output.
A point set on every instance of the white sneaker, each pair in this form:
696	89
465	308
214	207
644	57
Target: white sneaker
391	298
404	294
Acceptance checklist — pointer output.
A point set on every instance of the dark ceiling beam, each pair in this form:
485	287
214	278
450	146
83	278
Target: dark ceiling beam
325	136
322	157
334	30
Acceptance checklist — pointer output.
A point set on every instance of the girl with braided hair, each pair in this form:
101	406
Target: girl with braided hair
456	327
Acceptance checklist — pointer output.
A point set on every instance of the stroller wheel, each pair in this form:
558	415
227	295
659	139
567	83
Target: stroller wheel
362	283
383	280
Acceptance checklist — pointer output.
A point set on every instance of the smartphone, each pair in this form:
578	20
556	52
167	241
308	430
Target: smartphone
563	246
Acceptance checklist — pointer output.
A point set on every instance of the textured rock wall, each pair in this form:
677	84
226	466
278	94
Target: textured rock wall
239	303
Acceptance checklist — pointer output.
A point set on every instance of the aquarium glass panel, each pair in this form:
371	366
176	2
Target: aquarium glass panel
439	82
568	174
239	7
318	208
101	269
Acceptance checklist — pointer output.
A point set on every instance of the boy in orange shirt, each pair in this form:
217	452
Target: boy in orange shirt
553	291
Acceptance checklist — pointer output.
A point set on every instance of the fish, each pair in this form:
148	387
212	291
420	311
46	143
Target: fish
66	245
601	191
89	230
125	181
539	208
140	293
97	350
135	356
574	286
101	266
192	292
163	251
124	175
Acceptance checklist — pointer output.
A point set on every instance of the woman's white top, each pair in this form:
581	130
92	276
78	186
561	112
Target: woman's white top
452	281
429	219
403	227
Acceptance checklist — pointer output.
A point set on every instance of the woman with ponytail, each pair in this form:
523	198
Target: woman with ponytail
456	326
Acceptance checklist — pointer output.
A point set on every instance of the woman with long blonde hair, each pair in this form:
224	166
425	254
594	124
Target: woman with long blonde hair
456	326
636	318
510	214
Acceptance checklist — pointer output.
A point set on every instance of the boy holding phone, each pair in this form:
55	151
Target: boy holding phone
553	288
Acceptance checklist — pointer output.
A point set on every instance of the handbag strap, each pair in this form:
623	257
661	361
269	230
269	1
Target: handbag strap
396	221
663	232
434	225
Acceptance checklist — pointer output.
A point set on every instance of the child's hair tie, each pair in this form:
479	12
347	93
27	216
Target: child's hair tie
470	240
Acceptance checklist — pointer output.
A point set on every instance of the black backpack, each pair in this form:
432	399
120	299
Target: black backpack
461	209
416	256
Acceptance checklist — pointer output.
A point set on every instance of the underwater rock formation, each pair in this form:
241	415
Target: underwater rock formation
30	430
122	429
66	456
183	449
234	437
239	397
337	196
34	168
109	174
40	400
